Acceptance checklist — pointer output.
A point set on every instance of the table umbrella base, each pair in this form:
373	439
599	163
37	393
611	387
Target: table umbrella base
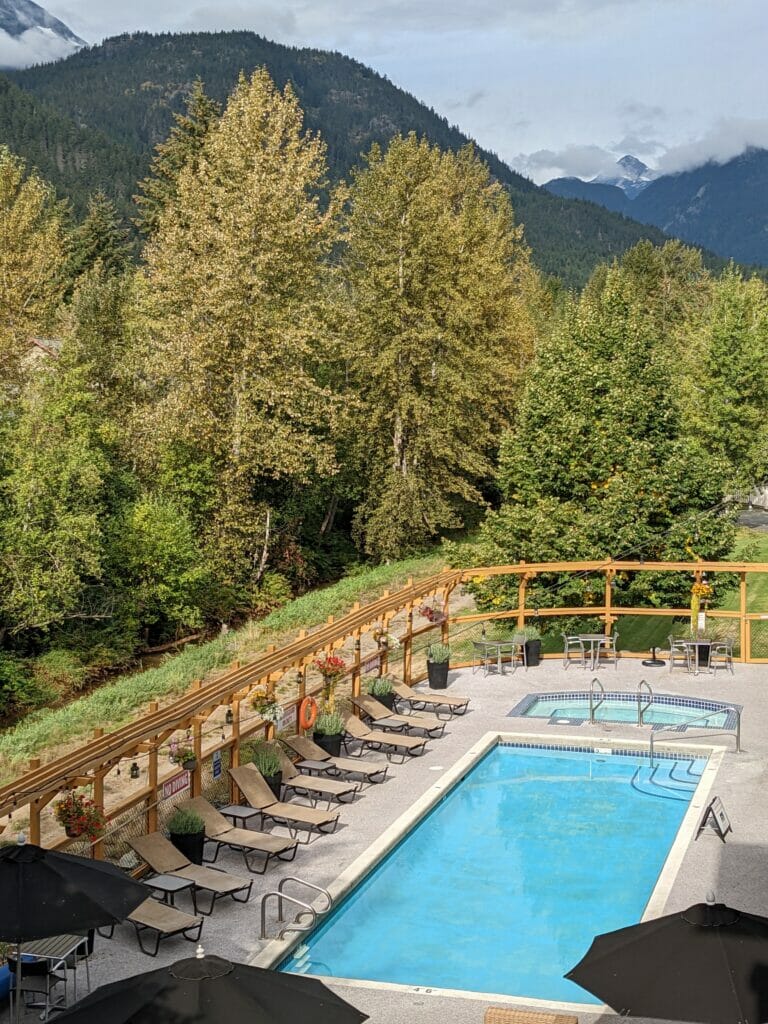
653	661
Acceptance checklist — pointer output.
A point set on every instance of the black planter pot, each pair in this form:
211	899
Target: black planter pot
190	764
387	699
275	783
330	744
437	672
190	844
532	653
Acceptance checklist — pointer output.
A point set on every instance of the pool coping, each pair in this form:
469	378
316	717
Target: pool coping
277	950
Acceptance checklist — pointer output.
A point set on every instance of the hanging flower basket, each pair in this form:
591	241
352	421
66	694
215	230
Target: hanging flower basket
80	816
267	708
332	668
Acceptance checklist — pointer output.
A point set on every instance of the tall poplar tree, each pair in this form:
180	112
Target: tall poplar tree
231	285
436	277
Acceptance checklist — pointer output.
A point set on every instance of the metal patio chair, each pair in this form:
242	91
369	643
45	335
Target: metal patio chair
573	645
721	656
679	651
607	651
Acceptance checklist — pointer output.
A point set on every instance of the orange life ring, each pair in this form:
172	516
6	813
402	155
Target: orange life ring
307	713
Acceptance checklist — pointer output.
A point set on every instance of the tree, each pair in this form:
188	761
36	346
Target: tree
600	463
230	310
32	254
100	238
436	277
183	146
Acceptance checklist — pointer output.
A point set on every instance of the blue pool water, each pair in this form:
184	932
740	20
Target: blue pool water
665	710
502	887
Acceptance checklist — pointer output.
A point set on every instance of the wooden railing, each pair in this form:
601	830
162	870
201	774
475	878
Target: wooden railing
198	713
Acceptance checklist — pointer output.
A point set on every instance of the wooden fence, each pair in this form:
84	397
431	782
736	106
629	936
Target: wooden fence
130	775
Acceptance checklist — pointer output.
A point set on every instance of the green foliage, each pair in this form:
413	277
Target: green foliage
266	759
19	690
100	238
60	671
438	654
185	822
330	723
378	686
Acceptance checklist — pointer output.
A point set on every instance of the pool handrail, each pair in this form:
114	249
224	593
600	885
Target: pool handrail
703	718
592	706
307	908
641	710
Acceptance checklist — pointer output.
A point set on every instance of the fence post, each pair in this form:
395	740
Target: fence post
408	647
743	616
301	687
356	667
152	773
609	574
97	849
196	782
521	586
384	648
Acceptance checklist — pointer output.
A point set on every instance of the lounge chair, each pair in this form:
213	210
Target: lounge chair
420	700
219	830
164	859
344	766
294	817
313	789
381	716
164	921
501	1015
378	739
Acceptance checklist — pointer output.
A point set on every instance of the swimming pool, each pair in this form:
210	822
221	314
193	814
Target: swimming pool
504	883
573	708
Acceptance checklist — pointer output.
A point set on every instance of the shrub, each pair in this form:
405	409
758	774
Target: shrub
378	686
61	671
438	653
266	759
329	724
528	633
19	689
185	822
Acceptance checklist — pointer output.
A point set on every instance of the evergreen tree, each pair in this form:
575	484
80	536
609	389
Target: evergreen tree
32	253
436	277
231	285
183	146
100	238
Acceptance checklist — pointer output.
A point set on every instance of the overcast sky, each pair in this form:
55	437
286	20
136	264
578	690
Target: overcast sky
553	86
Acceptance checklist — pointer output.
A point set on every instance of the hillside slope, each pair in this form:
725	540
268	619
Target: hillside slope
129	87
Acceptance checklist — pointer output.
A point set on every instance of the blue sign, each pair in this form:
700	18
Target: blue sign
217	764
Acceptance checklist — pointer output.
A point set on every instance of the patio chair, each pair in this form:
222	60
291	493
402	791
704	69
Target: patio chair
721	656
420	700
380	714
573	645
162	922
220	830
294	817
482	656
344	766
312	788
607	651
164	859
679	651
501	1015
377	739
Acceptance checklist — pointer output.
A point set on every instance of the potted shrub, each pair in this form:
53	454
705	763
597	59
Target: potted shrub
438	657
531	638
382	689
329	731
266	760
80	816
183	754
186	831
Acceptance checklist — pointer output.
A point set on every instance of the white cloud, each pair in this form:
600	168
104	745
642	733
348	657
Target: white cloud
726	139
35	46
570	162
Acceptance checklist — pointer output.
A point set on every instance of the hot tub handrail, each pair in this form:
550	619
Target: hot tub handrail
642	709
592	706
736	733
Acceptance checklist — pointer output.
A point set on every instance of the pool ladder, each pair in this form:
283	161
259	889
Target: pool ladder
643	687
305	908
592	705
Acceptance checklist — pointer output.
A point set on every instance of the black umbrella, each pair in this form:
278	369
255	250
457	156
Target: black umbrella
209	990
708	963
45	893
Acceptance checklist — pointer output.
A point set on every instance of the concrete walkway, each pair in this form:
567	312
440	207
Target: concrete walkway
737	871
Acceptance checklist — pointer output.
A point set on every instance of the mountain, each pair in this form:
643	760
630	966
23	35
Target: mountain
632	177
29	34
722	207
128	88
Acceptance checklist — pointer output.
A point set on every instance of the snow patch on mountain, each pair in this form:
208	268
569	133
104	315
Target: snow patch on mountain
632	176
30	35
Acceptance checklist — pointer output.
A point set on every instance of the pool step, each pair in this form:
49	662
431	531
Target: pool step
661	781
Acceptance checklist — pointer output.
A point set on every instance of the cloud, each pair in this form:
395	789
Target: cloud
35	46
727	138
573	161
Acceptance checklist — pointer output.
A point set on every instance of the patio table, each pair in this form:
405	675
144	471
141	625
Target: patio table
502	647
594	640
56	949
696	644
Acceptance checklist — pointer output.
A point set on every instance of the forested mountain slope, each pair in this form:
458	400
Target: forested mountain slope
129	87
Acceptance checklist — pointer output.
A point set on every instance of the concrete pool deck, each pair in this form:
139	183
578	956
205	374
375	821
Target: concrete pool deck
736	871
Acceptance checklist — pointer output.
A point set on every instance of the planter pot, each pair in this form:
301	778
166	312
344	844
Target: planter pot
330	744
190	844
387	699
5	982
189	765
275	783
437	671
532	653
71	833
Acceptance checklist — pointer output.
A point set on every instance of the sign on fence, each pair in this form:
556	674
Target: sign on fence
175	785
216	770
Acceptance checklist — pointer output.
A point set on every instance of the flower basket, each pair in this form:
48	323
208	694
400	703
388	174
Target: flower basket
80	816
267	708
332	668
184	755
